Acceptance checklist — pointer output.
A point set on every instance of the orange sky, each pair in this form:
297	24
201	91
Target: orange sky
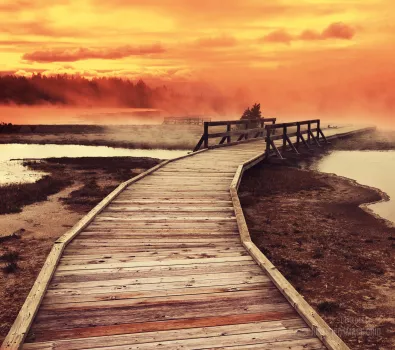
303	57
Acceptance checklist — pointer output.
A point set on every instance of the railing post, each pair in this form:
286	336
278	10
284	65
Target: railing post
205	134
284	138
298	135
309	132
228	128
318	129
268	132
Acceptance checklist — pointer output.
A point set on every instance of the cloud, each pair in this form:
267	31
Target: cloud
337	30
78	54
278	36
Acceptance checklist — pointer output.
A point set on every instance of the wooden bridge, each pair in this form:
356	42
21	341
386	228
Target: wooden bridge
166	262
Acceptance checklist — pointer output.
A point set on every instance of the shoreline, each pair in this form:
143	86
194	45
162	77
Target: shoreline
365	206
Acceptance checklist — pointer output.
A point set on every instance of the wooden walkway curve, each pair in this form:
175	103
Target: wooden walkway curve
163	267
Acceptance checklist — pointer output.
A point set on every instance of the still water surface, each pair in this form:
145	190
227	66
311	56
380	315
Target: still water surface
12	171
370	168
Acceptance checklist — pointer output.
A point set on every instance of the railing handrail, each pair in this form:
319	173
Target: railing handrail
304	122
299	134
238	122
242	133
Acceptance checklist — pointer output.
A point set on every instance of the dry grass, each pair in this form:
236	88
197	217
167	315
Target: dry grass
14	197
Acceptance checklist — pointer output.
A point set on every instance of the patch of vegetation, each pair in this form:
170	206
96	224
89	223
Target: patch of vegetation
15	196
368	265
318	253
15	235
294	270
10	258
328	307
10	267
87	196
266	180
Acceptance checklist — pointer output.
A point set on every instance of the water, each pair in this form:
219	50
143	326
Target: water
12	171
371	168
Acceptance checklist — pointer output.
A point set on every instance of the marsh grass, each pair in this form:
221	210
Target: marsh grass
15	196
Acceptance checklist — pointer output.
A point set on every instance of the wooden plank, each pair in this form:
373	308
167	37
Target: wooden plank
48	319
272	295
150	257
153	271
235	341
119	294
161	288
102	275
166	217
192	333
303	344
237	276
157	263
155	326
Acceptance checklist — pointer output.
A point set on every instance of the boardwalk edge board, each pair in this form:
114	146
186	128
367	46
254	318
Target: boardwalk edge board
22	323
320	328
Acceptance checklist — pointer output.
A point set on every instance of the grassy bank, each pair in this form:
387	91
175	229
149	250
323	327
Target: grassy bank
98	177
15	197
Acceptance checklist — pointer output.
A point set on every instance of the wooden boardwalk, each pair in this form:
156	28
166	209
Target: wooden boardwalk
163	267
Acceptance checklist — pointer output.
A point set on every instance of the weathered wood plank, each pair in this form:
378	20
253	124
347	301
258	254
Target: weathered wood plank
157	263
192	333
48	319
119	295
155	326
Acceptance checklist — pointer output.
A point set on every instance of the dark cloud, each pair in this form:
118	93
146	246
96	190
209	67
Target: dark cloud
337	30
278	36
78	54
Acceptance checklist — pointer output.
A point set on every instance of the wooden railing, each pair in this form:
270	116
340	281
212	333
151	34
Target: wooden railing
244	129
310	128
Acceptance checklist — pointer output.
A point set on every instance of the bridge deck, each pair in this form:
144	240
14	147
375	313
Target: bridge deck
162	266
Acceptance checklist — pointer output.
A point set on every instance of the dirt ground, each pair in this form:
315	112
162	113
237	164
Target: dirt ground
27	237
127	136
340	258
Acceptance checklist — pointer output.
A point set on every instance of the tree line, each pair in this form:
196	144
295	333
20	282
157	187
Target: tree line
76	90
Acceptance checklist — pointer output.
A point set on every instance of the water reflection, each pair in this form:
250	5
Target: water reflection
12	170
371	168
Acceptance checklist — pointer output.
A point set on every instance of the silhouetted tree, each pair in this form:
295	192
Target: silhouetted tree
253	114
